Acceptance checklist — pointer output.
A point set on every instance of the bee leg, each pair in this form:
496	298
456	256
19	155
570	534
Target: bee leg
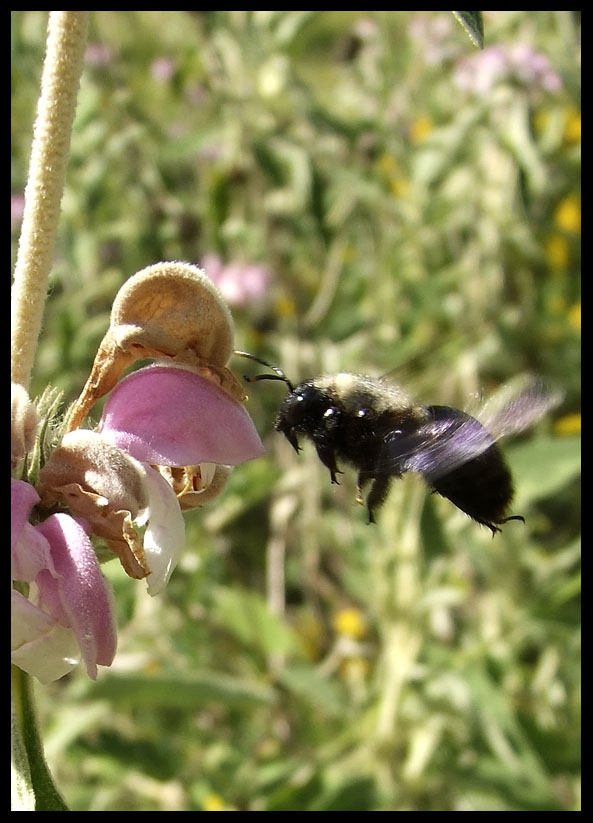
363	479
328	457
291	437
378	493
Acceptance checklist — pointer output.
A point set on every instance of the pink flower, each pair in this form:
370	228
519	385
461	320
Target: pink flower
69	612
167	440
434	37
171	417
174	417
482	71
240	283
162	69
99	55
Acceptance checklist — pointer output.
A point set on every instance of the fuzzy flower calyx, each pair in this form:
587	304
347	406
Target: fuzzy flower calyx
103	484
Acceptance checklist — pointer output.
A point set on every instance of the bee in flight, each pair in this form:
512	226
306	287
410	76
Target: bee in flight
376	427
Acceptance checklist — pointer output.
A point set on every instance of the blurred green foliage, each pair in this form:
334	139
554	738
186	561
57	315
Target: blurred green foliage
415	205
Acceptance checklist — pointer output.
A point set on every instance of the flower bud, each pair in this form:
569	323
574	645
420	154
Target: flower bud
169	311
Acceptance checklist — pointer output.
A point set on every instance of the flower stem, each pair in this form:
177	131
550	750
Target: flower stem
66	39
32	787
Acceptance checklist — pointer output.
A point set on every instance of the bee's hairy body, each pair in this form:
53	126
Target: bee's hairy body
377	428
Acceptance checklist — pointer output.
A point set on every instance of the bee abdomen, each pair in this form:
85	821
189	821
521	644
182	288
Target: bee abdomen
481	487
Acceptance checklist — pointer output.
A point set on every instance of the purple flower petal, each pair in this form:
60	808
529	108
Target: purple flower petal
31	554
29	550
173	417
80	597
22	499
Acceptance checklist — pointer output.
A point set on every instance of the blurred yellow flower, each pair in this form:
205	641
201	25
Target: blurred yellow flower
387	167
557	251
420	129
399	186
350	623
567	425
213	803
572	127
574	316
568	215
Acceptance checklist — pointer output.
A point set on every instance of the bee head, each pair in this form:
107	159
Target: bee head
302	409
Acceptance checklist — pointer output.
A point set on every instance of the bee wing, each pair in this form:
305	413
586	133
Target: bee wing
449	437
446	440
518	406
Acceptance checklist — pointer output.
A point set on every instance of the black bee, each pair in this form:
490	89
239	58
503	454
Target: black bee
377	428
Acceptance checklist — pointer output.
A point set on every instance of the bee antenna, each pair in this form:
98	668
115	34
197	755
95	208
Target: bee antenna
278	373
281	378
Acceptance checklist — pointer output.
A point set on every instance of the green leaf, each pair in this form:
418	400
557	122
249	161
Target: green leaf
248	616
181	690
473	24
543	466
314	688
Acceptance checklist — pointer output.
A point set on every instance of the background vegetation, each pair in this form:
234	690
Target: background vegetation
372	193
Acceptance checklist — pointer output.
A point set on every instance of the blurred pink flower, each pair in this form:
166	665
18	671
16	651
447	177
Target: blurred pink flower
480	72
240	284
98	54
434	37
162	69
534	68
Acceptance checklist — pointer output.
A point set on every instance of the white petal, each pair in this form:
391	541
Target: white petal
164	539
39	645
207	472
